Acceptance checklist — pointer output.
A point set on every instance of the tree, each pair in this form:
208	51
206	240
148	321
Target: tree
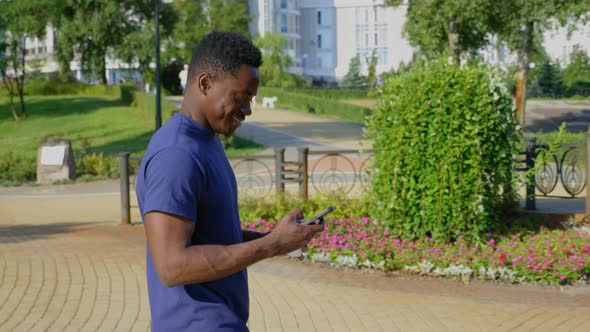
138	45
94	29
578	69
228	15
550	80
456	26
273	71
196	17
19	20
191	25
353	78
521	22
372	74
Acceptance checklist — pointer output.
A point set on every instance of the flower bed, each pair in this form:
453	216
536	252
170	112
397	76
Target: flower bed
552	256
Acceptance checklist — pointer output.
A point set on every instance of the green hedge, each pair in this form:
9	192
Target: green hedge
17	169
334	93
124	92
325	106
445	146
146	102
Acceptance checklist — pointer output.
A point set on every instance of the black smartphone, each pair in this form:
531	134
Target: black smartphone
318	216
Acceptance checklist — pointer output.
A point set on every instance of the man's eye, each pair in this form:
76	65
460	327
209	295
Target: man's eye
243	101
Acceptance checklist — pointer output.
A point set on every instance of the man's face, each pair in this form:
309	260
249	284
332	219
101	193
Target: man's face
228	101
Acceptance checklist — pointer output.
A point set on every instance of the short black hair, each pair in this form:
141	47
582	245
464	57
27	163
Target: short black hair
222	53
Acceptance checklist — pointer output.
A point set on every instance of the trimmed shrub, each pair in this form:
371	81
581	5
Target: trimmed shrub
17	169
335	93
277	206
146	103
445	142
97	164
304	102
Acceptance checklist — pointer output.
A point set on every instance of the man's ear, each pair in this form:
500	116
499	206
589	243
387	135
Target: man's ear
204	82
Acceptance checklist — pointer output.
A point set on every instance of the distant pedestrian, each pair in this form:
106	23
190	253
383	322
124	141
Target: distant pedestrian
183	76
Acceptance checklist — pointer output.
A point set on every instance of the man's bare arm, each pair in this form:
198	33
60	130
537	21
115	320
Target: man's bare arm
252	235
179	263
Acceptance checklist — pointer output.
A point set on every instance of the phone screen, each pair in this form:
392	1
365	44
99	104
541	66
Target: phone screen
319	215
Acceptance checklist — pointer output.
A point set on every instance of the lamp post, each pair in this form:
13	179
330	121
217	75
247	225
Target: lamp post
158	104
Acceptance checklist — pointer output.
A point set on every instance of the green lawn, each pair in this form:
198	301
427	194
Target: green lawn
100	124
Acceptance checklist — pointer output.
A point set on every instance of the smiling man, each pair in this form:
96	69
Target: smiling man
197	253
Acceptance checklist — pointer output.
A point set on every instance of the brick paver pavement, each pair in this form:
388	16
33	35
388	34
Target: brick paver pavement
90	277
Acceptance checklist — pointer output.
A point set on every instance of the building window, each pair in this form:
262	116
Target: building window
283	4
291	20
284	23
319	41
376	40
319	17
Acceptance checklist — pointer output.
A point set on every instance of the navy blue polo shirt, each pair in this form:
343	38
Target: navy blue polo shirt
185	172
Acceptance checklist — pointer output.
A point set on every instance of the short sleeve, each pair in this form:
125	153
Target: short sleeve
173	183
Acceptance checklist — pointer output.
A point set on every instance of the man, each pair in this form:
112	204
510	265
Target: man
183	76
197	253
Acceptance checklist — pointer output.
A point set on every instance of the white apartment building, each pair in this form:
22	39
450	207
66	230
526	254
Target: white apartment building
40	53
335	31
282	16
559	45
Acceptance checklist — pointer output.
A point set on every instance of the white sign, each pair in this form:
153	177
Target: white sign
53	155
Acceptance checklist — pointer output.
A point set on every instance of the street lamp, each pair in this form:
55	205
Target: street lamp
158	103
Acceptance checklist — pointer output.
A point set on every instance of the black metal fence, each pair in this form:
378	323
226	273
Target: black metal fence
562	174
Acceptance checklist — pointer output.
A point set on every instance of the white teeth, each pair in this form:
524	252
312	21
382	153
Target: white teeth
237	119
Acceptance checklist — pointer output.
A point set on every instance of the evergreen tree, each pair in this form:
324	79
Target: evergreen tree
353	78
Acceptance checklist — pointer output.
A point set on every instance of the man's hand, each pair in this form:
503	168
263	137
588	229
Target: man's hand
289	235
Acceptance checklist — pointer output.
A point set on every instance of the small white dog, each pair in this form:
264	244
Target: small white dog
269	101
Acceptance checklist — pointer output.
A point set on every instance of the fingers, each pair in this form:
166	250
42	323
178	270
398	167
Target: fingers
298	214
313	230
295	214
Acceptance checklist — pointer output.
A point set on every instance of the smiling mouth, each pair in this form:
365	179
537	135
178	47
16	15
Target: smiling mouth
238	119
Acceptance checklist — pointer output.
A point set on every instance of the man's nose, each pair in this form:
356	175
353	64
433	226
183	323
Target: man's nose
247	109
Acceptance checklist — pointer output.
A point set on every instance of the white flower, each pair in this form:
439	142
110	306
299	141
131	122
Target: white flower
320	257
350	261
425	267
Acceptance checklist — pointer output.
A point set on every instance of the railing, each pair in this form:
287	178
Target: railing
328	172
563	174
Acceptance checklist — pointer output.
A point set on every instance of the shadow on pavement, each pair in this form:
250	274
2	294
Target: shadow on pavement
25	233
577	121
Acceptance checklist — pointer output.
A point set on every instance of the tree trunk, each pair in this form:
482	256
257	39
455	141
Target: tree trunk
454	40
20	83
103	68
498	51
522	75
10	89
13	108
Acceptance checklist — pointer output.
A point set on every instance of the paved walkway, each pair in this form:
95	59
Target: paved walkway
91	277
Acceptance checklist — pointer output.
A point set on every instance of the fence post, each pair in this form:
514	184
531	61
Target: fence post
279	161
124	188
531	153
303	181
588	171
